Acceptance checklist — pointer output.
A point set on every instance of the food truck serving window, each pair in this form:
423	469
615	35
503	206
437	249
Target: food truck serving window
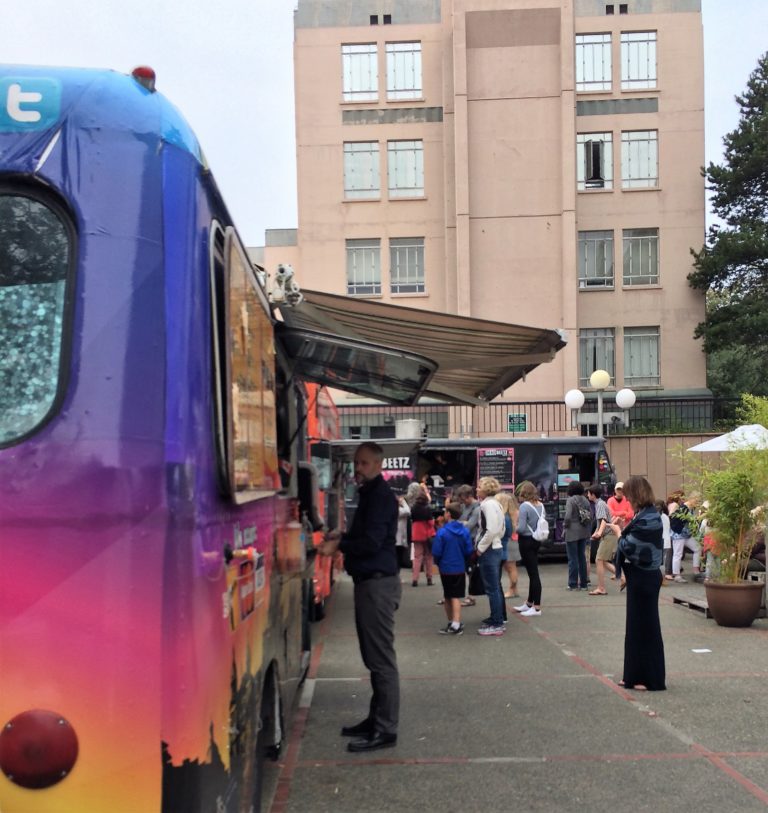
245	357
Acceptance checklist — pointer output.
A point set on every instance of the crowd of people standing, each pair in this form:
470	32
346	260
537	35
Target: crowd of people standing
488	531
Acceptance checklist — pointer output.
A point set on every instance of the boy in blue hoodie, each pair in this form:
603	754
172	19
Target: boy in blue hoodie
452	549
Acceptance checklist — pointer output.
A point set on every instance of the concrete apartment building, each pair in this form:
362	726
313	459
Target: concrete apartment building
528	161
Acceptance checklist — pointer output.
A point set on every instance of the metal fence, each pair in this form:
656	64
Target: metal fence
654	416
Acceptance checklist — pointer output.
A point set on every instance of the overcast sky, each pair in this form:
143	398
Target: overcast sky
228	66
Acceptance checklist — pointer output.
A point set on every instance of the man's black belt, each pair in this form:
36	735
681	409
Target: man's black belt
377	574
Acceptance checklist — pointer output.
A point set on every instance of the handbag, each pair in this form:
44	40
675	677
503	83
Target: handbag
476	584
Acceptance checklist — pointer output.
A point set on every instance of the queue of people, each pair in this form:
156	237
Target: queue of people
487	531
500	525
628	530
631	530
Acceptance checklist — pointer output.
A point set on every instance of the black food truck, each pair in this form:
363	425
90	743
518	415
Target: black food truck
549	463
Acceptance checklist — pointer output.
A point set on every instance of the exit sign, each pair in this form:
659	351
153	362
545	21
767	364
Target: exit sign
517	422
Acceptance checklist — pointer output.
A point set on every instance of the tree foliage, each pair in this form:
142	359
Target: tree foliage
734	370
732	266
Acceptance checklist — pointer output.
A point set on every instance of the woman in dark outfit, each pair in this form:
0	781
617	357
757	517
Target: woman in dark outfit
638	563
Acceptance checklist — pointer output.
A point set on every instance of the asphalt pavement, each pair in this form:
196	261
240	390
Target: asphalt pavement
535	720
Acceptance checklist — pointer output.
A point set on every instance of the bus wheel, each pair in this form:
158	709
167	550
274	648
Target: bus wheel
269	743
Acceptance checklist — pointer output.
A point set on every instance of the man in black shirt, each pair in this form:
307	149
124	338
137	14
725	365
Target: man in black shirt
370	559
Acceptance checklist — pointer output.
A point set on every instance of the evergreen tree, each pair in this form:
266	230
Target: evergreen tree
732	266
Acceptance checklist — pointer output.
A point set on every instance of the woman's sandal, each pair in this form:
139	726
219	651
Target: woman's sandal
468	602
597	592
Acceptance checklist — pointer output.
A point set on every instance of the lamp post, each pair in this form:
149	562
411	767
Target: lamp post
599	381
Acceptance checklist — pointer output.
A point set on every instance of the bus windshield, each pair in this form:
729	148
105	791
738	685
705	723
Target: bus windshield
35	250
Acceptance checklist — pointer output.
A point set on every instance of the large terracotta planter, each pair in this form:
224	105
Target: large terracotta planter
734	605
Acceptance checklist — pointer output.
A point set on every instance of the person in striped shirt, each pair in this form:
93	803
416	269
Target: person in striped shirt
608	535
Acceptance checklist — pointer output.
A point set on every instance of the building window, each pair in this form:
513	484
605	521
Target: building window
641	356
593	62
406	265
361	170
405	169
641	256
638	60
594	161
404	70
595	259
596	352
639	159
360	72
363	267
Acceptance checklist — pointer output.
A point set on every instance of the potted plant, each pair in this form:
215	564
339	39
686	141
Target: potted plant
736	494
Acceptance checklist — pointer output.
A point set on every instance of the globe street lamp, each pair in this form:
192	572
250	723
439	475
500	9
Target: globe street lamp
599	381
625	399
574	400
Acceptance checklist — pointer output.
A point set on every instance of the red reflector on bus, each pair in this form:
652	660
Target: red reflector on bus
145	76
38	748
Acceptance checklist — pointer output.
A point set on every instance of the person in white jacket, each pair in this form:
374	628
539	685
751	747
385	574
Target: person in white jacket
489	553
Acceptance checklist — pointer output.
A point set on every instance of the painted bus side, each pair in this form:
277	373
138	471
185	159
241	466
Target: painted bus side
153	577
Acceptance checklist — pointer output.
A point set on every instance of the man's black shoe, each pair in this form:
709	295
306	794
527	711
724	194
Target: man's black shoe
362	729
373	743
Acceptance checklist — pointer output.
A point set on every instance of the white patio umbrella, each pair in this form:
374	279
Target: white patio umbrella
751	436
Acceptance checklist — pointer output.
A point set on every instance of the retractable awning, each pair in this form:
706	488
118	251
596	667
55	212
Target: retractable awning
459	359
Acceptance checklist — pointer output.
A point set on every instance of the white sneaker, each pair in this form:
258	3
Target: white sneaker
522	608
531	611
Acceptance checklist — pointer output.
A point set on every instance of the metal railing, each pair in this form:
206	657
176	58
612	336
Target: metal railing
525	418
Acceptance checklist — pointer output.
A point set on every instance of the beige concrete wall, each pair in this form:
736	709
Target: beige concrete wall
501	214
277	255
662	459
676	207
326	219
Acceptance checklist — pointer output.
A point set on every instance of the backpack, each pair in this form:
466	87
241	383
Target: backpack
541	531
585	515
681	520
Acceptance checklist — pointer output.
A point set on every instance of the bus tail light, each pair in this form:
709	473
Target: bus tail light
38	748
